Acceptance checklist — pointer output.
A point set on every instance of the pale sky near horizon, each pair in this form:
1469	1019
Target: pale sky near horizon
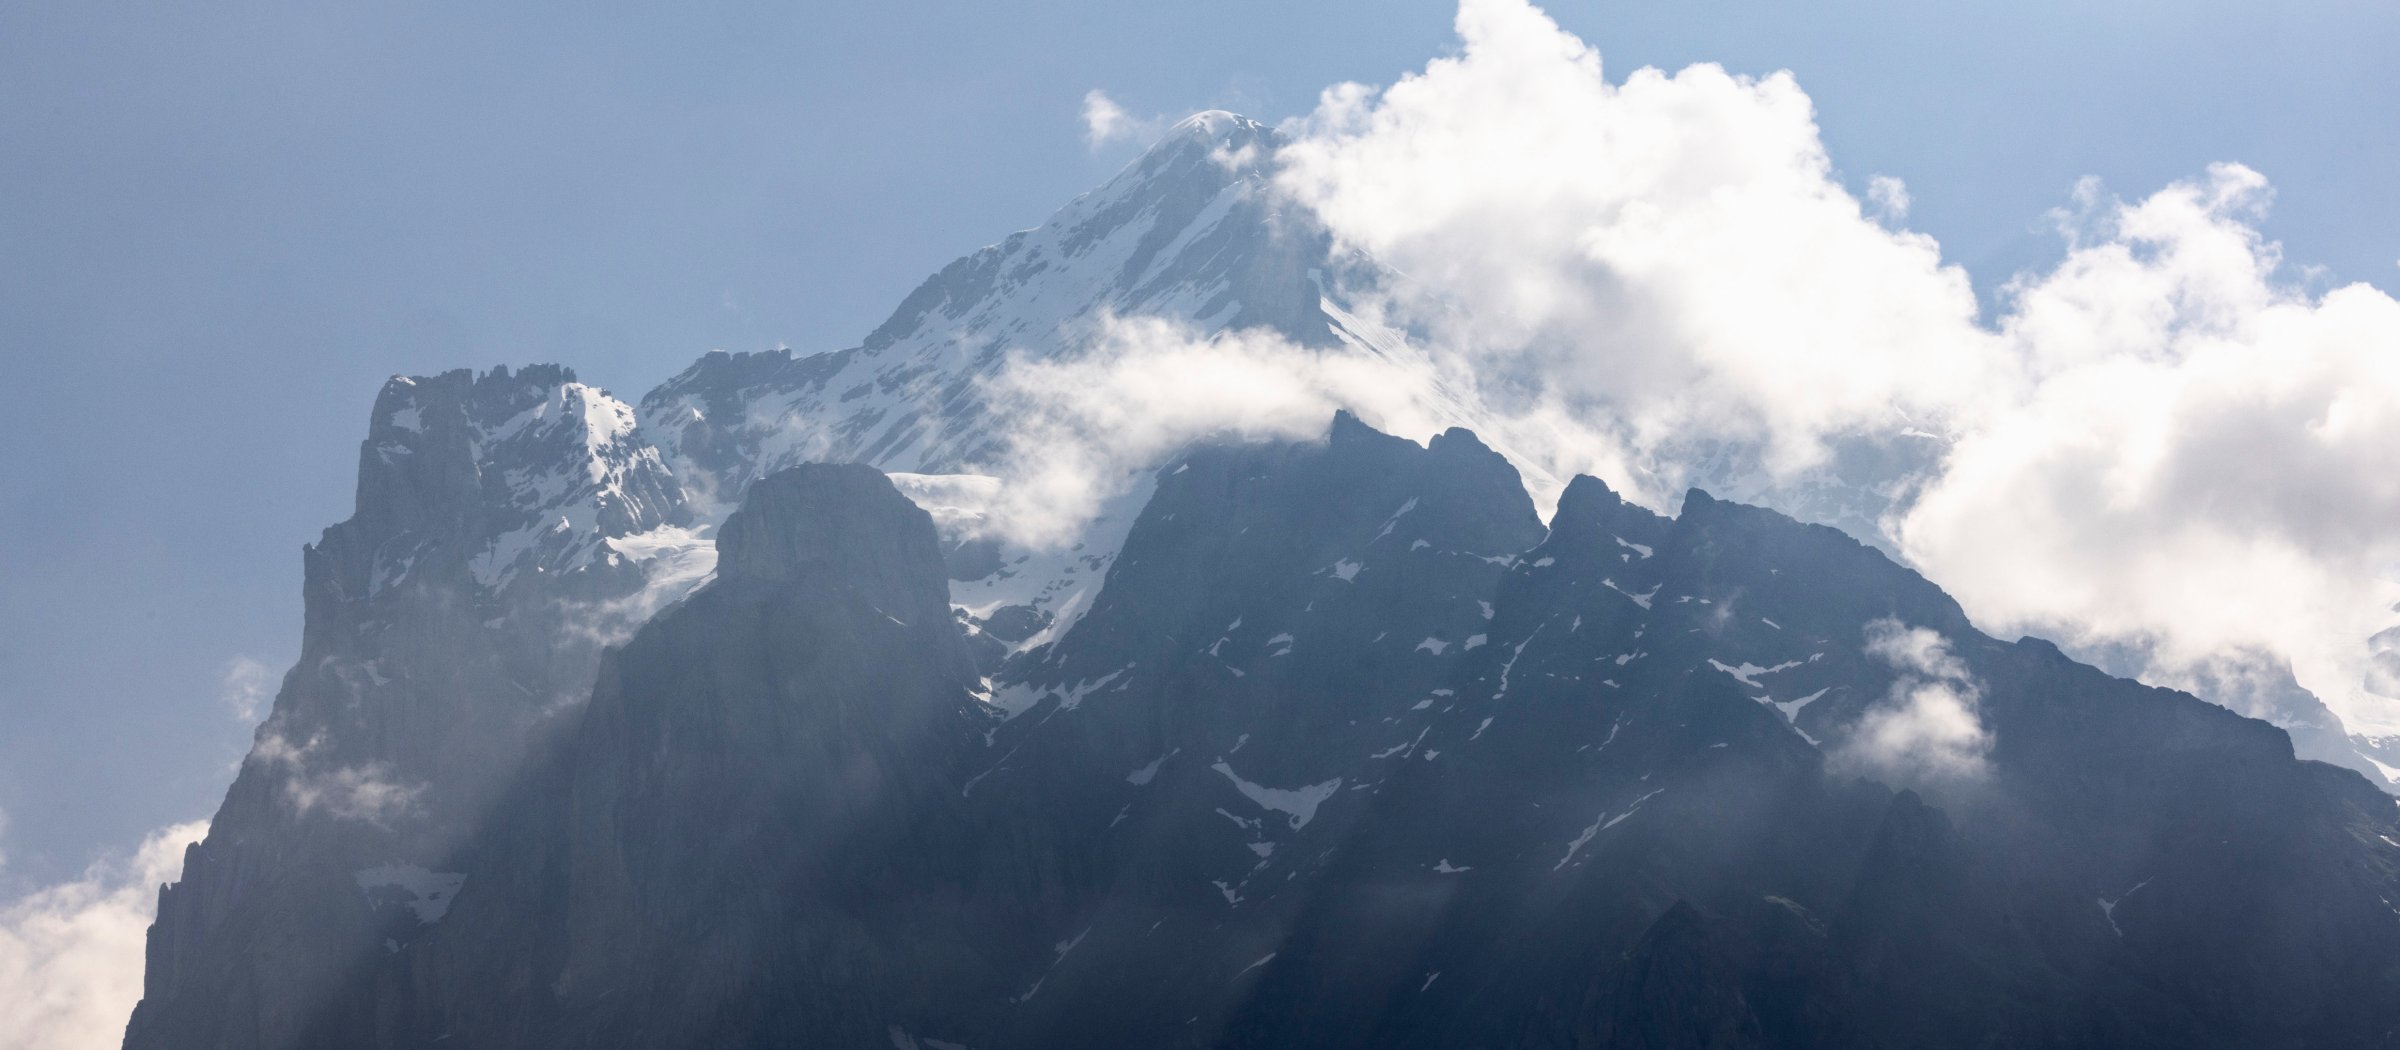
222	227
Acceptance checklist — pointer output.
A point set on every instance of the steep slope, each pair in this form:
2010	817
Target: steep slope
2112	852
506	525
1352	750
1188	231
1623	764
794	855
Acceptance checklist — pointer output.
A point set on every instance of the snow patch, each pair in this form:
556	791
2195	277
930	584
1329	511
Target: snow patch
2108	907
1602	823
1791	708
1298	805
1747	673
1642	600
1143	776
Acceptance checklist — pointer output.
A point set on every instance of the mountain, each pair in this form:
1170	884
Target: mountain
1353	749
624	725
1189	233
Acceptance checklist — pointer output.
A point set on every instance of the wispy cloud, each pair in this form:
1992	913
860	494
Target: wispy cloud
246	688
1926	729
1889	196
1078	427
365	792
1106	122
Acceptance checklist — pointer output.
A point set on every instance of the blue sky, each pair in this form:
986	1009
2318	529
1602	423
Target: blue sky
222	226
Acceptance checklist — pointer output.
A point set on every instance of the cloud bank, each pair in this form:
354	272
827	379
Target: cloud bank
71	954
2163	444
1670	258
2200	458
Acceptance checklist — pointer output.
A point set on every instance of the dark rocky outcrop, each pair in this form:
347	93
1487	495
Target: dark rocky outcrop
448	623
1353	751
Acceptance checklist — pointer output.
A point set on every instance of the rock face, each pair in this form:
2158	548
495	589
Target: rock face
1188	234
507	524
1353	750
785	861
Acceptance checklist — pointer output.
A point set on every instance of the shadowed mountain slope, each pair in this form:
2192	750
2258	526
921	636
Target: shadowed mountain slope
1353	751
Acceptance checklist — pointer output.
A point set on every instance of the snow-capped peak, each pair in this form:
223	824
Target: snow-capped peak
1188	230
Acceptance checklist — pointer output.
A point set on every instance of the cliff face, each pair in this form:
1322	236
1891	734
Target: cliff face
507	524
1354	751
763	829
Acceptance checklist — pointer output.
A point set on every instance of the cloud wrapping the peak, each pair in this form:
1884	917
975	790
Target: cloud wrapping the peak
2162	443
2162	447
1105	122
1079	427
1671	254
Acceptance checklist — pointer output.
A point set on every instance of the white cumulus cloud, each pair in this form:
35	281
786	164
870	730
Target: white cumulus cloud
2201	461
71	954
1670	257
2163	443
